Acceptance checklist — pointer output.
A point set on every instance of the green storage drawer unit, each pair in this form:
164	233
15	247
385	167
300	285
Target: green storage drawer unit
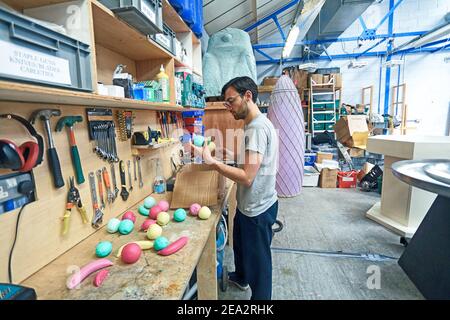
144	15
323	117
328	126
319	126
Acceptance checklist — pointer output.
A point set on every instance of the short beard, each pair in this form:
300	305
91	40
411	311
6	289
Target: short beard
242	114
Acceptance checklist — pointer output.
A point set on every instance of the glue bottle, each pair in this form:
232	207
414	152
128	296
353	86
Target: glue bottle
163	80
159	184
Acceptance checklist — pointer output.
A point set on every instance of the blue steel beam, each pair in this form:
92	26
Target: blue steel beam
330	40
375	45
354	55
272	16
275	19
387	79
392	8
363	24
264	54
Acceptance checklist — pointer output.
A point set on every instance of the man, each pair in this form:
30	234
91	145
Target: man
257	201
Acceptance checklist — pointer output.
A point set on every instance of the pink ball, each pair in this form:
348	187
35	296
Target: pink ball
154	212
164	205
194	209
130	216
131	253
147	223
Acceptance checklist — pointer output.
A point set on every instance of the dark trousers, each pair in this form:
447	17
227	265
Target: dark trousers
252	238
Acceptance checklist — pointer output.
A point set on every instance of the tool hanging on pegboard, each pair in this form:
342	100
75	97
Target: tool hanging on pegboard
125	120
102	131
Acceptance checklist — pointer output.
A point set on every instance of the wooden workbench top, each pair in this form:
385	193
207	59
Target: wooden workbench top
151	277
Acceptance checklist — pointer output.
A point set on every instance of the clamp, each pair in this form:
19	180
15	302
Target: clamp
73	199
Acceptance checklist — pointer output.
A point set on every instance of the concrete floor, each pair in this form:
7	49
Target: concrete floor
331	220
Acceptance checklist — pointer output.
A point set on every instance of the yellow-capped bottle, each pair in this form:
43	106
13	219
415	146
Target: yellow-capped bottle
163	80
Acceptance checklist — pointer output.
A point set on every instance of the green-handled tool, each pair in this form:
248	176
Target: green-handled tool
69	122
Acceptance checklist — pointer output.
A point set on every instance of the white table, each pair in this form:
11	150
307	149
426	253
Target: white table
402	206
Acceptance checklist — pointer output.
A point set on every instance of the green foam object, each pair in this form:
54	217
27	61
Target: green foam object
126	226
143	210
229	55
160	243
103	249
179	215
149	202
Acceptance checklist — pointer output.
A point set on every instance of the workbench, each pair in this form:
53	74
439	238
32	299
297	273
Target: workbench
152	276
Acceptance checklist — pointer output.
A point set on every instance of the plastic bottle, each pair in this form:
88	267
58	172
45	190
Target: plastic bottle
159	184
163	80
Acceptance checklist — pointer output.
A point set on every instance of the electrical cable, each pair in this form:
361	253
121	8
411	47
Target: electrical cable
14	243
365	256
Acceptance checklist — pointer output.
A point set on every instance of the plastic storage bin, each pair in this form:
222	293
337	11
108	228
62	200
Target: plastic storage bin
144	15
310	159
35	54
347	179
166	39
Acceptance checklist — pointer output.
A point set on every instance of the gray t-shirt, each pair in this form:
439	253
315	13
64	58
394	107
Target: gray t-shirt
260	136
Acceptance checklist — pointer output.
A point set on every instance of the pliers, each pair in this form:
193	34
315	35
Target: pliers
73	199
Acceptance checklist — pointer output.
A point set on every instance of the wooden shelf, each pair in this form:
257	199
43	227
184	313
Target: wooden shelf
156	146
18	92
27	4
175	22
116	35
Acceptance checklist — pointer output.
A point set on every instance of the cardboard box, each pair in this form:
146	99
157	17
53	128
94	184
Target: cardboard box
356	152
197	183
317	78
326	78
270	81
310	177
337	80
323	156
352	131
328	178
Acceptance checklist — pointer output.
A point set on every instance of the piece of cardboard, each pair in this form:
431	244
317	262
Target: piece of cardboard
196	183
317	78
323	156
356	152
337	80
346	128
365	170
310	177
328	178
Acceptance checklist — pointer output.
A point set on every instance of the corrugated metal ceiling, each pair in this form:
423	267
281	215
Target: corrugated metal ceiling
220	14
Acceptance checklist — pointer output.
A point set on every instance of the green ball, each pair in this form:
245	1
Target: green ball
149	202
143	210
160	243
179	215
103	249
126	226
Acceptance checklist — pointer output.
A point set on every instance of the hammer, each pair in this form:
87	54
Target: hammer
69	122
55	166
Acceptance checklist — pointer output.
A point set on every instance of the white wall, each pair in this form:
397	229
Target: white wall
427	76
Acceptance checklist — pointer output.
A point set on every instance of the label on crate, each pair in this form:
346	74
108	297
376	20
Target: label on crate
165	41
26	63
149	13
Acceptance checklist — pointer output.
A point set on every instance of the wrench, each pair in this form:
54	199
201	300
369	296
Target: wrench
141	184
111	196
134	166
129	176
113	174
100	189
124	193
97	219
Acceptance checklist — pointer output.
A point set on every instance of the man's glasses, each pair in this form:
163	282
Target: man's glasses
230	101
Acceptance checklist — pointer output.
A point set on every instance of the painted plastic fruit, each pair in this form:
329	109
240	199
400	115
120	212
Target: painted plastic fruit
143	210
149	202
194	209
154	212
126	226
103	249
113	225
131	253
130	216
179	215
160	243
204	213
164	205
154	231
163	218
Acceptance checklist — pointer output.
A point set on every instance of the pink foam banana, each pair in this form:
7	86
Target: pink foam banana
87	270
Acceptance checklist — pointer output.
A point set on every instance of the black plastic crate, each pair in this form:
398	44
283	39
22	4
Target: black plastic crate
35	54
166	39
144	15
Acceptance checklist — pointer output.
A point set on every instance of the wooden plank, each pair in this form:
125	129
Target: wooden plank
206	270
152	277
107	62
26	4
118	36
39	238
232	206
265	89
172	19
19	92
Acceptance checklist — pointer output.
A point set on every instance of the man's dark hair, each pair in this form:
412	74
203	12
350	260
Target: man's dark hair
241	85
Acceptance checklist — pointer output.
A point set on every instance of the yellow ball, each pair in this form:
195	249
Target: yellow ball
204	213
163	218
154	231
